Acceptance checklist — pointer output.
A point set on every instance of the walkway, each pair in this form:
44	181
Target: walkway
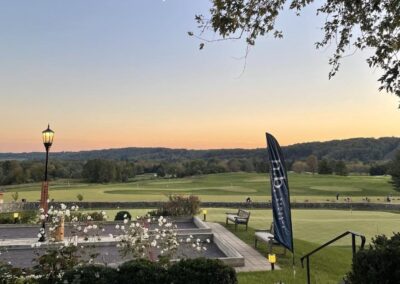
254	261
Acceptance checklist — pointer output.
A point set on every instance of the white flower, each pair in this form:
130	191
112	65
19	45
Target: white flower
122	227
125	215
95	226
67	212
103	213
125	221
89	217
188	240
72	207
85	230
154	243
194	245
198	248
63	206
117	227
208	240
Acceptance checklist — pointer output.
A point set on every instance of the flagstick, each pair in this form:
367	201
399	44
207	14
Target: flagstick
293	267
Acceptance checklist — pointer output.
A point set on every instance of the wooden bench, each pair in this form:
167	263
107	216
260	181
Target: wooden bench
267	236
241	217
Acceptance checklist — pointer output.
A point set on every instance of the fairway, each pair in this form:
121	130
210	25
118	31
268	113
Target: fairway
216	187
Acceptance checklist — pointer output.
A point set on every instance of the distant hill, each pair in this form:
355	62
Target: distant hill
362	149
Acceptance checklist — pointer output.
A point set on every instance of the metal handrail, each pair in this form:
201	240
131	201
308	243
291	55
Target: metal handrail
353	245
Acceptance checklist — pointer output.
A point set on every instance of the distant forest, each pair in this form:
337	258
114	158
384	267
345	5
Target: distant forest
358	155
356	149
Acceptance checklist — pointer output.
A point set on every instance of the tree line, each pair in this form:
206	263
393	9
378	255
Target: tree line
105	171
365	150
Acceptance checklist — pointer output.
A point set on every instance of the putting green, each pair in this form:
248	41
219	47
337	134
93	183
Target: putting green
336	188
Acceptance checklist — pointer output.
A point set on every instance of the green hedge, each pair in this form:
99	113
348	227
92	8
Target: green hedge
142	272
91	274
25	217
193	271
201	271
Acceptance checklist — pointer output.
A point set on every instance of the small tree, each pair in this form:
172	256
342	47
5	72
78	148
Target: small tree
379	263
299	167
324	168
312	163
394	171
15	196
341	169
80	197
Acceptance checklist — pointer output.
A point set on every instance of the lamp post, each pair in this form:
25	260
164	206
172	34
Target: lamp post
48	136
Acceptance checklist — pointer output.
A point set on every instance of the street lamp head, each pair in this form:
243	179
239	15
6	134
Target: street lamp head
48	136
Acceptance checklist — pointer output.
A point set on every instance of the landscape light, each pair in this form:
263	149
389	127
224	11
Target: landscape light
272	260
204	214
16	215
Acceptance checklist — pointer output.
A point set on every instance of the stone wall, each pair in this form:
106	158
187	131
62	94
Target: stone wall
255	205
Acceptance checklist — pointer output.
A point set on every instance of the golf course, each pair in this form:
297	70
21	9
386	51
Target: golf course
215	187
311	227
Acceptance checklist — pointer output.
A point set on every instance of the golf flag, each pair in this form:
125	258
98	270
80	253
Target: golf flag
280	194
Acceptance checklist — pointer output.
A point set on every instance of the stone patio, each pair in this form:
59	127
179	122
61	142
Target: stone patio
254	261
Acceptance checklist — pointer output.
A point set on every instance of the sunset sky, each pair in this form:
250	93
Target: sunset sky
108	74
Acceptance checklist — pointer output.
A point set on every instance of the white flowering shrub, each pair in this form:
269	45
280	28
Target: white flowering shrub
62	256
137	240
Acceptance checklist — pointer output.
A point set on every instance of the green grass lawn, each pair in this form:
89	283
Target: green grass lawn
216	187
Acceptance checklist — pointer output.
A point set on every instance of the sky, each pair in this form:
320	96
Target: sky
110	74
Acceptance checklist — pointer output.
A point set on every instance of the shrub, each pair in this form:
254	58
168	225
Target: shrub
141	271
202	271
80	197
179	205
377	264
121	216
90	274
25	217
15	196
95	216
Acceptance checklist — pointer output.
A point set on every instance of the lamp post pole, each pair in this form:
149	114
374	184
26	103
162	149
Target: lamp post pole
48	136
